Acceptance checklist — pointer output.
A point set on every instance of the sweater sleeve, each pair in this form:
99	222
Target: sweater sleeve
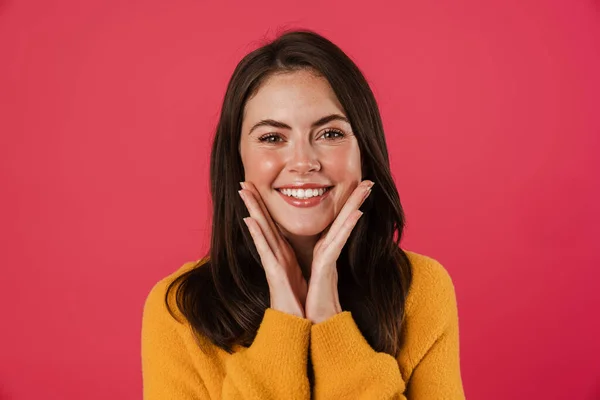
346	366
273	367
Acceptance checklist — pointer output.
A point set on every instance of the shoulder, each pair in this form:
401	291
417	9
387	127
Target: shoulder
155	305
430	309
167	340
431	296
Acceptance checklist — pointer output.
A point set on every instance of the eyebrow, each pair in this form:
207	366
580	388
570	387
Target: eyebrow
317	123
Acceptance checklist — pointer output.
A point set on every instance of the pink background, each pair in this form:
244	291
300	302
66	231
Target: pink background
107	110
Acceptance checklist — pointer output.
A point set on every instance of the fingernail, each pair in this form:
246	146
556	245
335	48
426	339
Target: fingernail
367	193
371	184
241	194
362	201
243	185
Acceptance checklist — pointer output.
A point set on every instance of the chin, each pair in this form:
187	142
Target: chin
305	227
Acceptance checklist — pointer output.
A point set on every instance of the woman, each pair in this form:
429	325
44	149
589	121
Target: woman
306	291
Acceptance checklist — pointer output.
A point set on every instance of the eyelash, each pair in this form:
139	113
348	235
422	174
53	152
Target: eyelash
266	138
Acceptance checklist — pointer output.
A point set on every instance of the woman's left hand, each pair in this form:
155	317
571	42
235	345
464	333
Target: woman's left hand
322	299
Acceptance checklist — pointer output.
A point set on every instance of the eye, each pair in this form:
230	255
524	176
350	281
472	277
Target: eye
332	134
270	138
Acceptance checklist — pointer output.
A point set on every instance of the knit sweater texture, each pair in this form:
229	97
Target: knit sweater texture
176	366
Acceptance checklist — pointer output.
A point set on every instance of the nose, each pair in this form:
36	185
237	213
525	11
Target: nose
304	159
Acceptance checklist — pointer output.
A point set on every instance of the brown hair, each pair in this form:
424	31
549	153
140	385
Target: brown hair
225	298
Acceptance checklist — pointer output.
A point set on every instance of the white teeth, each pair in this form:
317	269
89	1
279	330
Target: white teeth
302	193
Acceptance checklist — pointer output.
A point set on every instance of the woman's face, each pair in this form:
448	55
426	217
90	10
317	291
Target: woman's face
299	150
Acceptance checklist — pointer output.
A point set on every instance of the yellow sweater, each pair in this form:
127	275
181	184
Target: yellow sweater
175	366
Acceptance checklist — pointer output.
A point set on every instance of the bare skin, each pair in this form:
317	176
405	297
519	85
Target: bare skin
295	132
289	290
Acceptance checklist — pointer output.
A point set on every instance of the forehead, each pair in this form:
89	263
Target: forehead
297	98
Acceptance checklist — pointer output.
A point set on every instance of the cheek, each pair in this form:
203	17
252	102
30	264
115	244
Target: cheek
344	169
261	167
343	164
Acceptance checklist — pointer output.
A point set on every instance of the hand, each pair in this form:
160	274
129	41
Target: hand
287	286
322	300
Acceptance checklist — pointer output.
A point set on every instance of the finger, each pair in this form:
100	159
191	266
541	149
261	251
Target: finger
250	186
332	249
267	257
258	215
362	191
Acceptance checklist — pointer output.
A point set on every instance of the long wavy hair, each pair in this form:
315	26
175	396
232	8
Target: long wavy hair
225	295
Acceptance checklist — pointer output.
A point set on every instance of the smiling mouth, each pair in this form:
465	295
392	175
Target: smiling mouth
304	194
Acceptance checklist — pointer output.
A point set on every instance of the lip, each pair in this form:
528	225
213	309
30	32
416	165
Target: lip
303	186
304	203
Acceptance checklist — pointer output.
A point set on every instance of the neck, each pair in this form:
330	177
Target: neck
303	248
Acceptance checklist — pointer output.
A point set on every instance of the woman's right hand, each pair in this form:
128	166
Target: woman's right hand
287	285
